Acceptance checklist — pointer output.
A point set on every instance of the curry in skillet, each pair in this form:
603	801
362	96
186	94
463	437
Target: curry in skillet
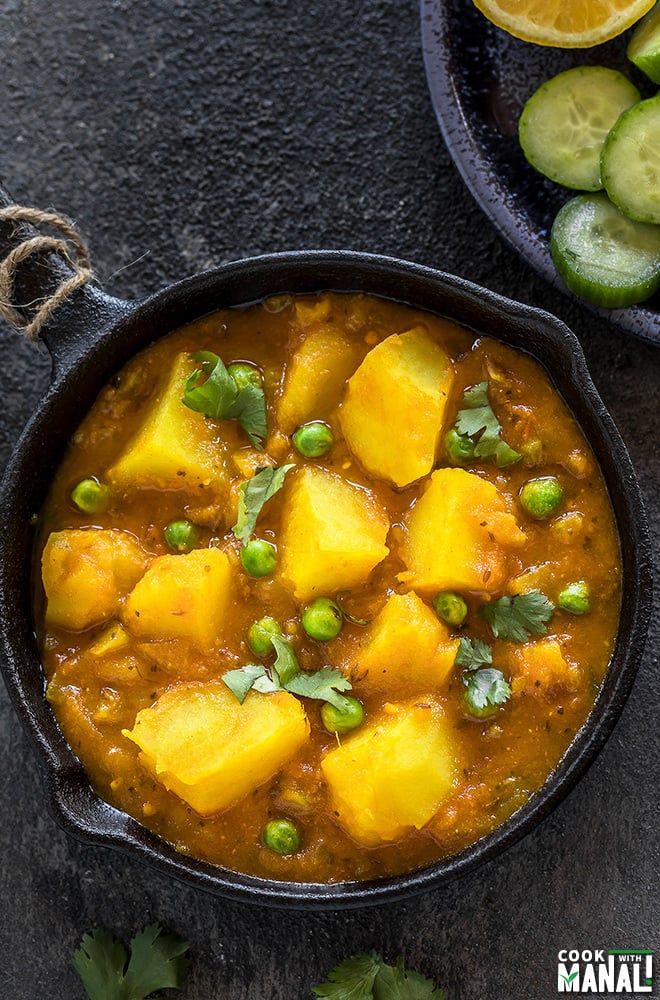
326	587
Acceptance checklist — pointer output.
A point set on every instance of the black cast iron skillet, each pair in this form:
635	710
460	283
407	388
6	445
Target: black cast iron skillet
92	335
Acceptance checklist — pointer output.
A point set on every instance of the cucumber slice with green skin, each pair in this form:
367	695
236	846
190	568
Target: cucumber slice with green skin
644	46
603	256
564	124
630	163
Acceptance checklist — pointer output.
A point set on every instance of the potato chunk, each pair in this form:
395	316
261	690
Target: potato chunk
315	378
181	597
333	534
405	650
393	775
86	573
539	666
175	448
395	404
211	751
459	535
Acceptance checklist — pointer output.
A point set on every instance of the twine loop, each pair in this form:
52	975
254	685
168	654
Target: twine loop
68	245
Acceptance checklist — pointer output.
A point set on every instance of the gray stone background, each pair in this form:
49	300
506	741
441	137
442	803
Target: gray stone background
179	134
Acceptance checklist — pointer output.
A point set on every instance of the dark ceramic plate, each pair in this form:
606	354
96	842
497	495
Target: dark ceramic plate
480	78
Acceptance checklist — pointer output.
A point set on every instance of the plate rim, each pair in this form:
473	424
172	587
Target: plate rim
485	184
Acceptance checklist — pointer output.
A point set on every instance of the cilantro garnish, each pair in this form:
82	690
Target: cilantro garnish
324	685
367	977
472	653
515	618
219	397
477	421
286	664
285	675
485	685
252	496
157	962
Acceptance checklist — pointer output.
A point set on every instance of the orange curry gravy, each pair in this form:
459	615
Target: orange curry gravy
501	761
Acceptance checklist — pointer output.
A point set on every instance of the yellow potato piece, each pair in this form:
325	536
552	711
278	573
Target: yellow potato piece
538	666
111	641
405	649
175	447
211	751
86	574
315	378
181	597
333	534
395	405
459	535
392	776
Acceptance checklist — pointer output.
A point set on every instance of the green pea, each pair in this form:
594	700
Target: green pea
281	836
574	598
90	497
244	374
322	619
181	535
542	497
314	439
258	557
342	720
451	607
459	448
260	636
478	711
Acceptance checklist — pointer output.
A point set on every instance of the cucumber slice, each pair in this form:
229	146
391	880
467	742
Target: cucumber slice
644	46
630	163
563	125
603	256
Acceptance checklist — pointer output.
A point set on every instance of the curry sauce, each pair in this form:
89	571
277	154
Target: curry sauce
137	633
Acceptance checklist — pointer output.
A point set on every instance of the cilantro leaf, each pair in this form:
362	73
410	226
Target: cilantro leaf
324	685
486	686
249	408
395	983
254	675
515	618
352	979
243	679
286	665
285	675
157	961
477	421
367	977
472	653
214	396
253	494
100	962
218	397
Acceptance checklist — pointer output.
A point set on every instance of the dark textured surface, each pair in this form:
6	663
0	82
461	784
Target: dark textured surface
179	135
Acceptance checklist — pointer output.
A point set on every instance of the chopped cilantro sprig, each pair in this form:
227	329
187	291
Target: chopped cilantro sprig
477	422
285	674
212	391
518	617
368	977
252	496
486	685
156	962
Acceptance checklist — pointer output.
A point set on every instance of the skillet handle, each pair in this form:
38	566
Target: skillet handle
46	284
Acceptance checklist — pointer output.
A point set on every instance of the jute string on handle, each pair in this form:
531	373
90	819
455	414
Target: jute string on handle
69	245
